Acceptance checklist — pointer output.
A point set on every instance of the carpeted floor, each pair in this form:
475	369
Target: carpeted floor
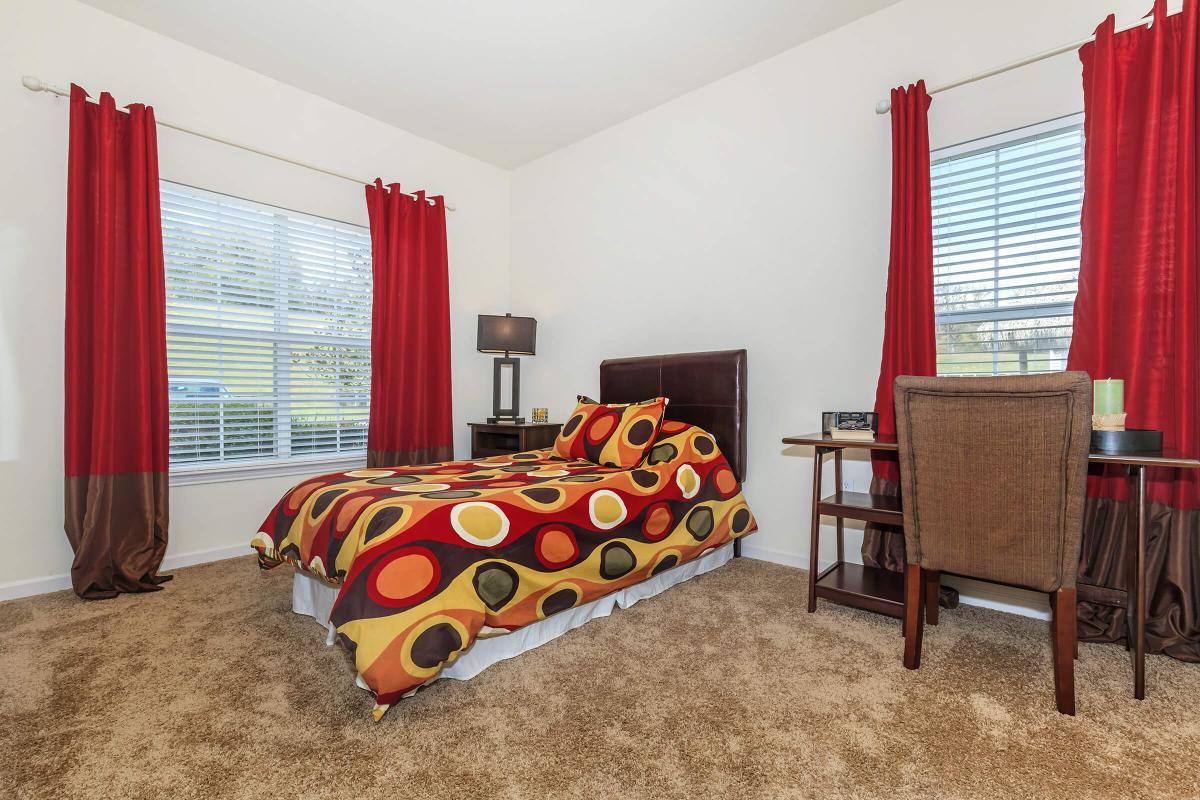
721	687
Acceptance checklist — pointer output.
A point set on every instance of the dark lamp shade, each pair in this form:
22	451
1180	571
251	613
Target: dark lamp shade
505	334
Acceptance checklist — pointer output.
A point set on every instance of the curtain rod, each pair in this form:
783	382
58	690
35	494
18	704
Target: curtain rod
884	106
38	85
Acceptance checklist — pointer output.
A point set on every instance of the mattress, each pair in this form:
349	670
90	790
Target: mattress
428	559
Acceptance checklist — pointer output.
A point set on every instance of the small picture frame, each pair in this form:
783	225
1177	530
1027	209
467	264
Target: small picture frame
541	415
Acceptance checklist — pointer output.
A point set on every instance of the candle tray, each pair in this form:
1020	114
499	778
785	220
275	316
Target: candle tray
1130	440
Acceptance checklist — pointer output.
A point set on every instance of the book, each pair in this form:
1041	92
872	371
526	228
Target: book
852	435
852	426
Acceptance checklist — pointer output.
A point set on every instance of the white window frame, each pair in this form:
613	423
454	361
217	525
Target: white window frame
1007	138
182	474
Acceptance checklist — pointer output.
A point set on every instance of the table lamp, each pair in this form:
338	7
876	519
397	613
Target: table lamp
511	336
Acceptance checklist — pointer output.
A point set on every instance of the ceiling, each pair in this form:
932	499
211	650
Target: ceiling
505	81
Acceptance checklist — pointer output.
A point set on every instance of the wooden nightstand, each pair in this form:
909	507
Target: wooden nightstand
494	439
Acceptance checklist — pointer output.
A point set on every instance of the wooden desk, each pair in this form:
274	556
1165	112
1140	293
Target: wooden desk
883	592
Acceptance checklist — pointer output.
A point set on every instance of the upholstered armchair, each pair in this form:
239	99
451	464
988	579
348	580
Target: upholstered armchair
993	476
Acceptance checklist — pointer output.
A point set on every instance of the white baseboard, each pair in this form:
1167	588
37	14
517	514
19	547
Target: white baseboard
971	593
32	586
775	556
180	560
57	583
1000	598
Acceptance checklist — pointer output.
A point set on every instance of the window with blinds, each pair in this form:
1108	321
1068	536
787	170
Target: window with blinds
1006	242
268	332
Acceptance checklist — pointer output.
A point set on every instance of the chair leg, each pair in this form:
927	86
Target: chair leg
1065	641
933	594
914	617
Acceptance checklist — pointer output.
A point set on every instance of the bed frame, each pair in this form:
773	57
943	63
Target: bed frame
705	389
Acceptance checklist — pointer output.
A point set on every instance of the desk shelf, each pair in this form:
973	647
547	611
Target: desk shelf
843	582
863	587
865	507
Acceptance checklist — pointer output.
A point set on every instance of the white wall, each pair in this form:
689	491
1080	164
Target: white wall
754	213
750	213
62	41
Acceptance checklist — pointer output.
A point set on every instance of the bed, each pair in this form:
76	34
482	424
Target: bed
440	570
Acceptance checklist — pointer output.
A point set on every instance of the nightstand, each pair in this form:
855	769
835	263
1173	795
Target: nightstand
494	439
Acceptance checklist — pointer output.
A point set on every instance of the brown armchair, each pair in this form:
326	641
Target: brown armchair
993	476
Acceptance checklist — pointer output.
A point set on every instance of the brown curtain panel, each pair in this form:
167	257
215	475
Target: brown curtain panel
1173	576
116	425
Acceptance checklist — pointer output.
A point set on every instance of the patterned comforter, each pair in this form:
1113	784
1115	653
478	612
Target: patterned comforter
431	557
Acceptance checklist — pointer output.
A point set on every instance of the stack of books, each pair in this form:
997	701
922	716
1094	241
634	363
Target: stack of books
852	435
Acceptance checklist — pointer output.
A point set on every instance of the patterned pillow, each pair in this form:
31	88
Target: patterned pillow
611	435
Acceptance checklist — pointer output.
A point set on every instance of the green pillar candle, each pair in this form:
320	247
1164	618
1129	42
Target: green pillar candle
1109	397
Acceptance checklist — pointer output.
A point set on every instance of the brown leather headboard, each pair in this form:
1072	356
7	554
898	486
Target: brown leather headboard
705	389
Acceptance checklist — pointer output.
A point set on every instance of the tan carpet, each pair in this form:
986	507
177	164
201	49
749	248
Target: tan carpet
721	687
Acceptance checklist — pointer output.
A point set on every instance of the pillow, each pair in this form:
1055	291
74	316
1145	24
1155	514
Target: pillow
611	435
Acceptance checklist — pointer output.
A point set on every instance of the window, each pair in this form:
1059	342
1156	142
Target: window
1006	243
268	333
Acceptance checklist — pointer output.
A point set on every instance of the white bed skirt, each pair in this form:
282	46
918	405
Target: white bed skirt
314	598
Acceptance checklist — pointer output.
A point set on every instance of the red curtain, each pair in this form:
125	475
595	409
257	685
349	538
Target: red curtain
1136	311
410	329
909	346
116	425
1139	287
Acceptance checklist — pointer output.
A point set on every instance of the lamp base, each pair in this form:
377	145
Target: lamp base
506	413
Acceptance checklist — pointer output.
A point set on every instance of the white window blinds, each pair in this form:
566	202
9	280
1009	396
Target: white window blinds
268	332
1006	243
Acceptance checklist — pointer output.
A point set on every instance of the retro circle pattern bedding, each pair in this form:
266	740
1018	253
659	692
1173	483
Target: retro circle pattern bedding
432	557
611	435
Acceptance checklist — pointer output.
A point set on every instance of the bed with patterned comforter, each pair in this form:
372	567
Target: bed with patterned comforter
429	558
